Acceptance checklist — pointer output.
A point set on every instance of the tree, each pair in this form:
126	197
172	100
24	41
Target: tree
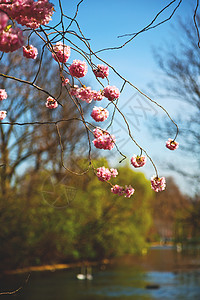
187	223
39	145
52	39
166	209
181	66
93	225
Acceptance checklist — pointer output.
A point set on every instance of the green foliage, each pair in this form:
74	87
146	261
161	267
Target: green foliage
60	217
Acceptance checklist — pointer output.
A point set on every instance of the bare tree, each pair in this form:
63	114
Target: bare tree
37	145
181	82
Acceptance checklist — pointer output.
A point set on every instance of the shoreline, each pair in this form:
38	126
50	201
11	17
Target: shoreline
55	267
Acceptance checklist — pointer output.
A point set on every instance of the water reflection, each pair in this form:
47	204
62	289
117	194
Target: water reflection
173	276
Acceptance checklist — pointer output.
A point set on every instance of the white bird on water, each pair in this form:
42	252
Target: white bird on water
83	275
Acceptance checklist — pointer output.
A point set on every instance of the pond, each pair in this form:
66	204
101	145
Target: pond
161	274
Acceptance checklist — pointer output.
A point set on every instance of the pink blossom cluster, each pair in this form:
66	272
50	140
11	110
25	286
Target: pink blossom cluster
2	114
138	161
11	39
78	68
128	191
61	52
86	93
28	12
73	90
51	103
101	71
158	184
30	52
3	94
99	114
103	140
111	92
97	95
171	144
104	174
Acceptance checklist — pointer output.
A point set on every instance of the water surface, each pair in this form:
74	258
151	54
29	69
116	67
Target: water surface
173	276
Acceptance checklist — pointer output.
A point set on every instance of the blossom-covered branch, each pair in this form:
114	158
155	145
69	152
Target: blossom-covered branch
24	19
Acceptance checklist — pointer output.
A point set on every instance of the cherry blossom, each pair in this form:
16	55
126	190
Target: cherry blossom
51	103
103	140
171	144
3	94
138	161
74	90
99	114
101	71
158	184
111	92
118	190
129	191
98	132
28	12
97	96
30	52
103	174
61	52
3	114
65	81
78	68
113	172
11	39
85	94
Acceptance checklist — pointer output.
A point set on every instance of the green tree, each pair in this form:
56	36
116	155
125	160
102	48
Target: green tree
92	225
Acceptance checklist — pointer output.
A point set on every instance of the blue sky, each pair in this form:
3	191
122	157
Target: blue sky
102	21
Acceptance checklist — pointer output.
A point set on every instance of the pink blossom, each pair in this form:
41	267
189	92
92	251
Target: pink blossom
30	52
51	103
28	12
74	90
101	71
118	190
138	161
99	114
113	172
158	184
129	191
98	132
11	39
103	140
61	52
65	81
171	144
3	94
111	92
2	114
97	96
78	68
85	94
3	20
103	174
